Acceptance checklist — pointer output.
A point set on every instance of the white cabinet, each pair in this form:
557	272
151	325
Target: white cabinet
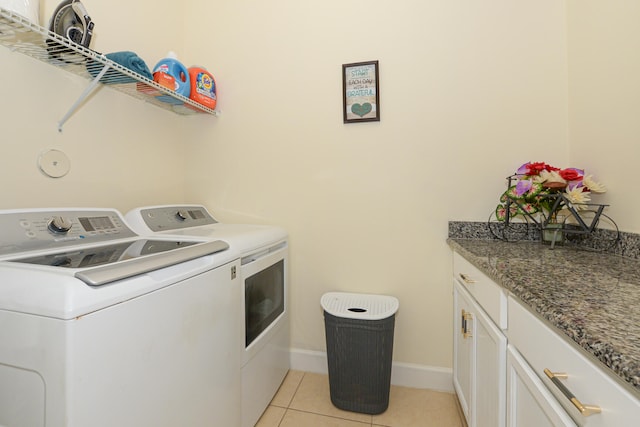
490	390
529	403
463	350
541	379
580	389
479	351
488	294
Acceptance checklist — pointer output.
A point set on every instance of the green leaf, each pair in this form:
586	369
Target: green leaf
535	189
511	193
501	211
528	208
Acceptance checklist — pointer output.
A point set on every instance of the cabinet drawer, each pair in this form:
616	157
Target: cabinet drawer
544	348
491	297
529	402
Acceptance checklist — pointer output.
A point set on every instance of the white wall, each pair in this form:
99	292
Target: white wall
604	99
469	90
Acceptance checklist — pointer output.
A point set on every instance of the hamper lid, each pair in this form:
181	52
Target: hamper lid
359	306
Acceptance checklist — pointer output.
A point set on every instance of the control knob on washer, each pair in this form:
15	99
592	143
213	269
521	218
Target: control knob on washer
182	215
59	225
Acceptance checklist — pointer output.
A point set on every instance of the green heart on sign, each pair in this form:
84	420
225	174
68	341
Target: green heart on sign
361	110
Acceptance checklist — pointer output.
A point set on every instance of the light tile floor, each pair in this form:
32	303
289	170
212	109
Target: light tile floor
303	401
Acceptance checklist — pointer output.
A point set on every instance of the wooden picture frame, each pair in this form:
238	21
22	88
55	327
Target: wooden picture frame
360	92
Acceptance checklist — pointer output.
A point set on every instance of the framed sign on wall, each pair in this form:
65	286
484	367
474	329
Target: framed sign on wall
360	92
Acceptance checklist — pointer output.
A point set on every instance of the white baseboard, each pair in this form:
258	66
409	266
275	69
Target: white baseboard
402	374
308	361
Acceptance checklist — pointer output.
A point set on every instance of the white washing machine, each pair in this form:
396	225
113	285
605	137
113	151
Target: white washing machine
100	327
265	323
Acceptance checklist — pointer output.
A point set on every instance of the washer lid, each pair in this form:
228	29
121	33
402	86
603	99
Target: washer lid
105	264
359	306
63	293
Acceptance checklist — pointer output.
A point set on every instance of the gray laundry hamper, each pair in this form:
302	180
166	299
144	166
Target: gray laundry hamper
359	332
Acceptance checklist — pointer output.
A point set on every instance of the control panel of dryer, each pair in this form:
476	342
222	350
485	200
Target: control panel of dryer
31	230
166	218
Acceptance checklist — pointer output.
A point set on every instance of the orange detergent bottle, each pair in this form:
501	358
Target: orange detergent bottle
203	87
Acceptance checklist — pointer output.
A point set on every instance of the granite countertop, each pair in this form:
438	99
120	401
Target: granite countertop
592	298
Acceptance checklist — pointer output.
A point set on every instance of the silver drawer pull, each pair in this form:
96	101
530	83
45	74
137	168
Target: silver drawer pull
466	279
585	410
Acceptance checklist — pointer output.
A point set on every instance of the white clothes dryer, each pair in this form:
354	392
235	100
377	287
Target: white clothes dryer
100	327
264	303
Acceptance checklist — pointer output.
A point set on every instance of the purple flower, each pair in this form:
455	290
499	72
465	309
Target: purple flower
522	170
523	186
574	184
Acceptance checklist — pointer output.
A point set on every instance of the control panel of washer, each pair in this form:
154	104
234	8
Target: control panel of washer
31	230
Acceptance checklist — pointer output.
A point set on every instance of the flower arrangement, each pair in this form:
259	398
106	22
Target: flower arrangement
536	187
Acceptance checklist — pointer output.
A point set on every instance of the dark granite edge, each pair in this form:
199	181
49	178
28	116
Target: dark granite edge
584	342
622	243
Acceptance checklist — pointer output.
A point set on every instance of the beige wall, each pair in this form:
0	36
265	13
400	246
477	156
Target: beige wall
469	91
604	88
123	152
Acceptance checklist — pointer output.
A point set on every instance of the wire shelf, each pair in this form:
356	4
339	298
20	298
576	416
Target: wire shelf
20	35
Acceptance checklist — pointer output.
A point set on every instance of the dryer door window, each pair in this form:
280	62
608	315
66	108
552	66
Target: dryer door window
264	300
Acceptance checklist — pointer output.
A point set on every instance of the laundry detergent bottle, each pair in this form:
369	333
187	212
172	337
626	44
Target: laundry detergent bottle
172	74
203	87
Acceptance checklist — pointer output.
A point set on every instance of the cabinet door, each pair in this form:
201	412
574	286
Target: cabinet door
490	385
479	369
529	403
463	352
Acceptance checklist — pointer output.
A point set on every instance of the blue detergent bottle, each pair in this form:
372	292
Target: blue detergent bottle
172	74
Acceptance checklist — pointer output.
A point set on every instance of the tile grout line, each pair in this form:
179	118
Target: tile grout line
296	391
293	395
318	411
288	408
329	416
